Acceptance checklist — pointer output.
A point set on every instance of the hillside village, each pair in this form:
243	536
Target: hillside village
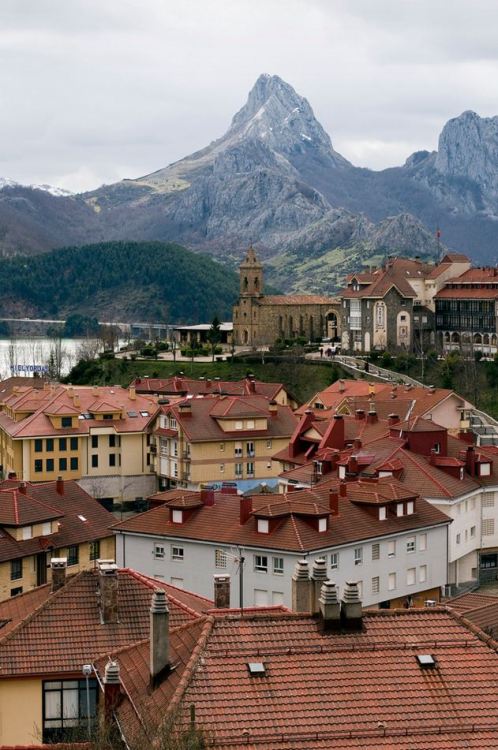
217	541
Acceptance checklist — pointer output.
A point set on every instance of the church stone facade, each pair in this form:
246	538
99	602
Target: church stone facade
259	319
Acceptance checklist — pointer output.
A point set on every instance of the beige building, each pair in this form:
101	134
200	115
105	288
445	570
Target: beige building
42	521
99	436
260	319
220	439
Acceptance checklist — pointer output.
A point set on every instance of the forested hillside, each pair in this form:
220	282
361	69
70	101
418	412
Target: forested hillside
118	281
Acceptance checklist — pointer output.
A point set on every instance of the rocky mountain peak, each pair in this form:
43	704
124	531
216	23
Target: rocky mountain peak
468	148
277	115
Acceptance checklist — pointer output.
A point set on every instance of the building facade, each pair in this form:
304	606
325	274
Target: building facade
259	319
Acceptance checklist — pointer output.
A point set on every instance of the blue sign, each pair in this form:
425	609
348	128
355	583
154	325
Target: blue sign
29	368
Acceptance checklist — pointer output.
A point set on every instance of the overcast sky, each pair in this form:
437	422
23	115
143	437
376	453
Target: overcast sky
92	91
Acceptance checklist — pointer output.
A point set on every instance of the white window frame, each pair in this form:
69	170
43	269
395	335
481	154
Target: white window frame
263	526
278	566
358	555
411	545
159	552
177	553
261	563
391	582
334	560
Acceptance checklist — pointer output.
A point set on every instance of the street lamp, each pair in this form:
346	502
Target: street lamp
87	671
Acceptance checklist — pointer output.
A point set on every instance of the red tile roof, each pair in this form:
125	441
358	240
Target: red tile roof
220	522
324	689
19	509
182	386
43	500
66	631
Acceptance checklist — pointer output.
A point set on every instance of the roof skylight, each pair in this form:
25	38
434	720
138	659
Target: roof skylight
256	668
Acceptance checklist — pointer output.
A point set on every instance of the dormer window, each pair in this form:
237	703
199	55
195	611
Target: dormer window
322	524
399	509
177	516
484	469
239	425
410	507
27	532
66	421
382	513
263	526
250	424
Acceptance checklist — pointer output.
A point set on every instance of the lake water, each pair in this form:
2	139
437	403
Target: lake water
21	356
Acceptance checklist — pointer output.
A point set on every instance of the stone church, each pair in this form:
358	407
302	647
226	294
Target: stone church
259	319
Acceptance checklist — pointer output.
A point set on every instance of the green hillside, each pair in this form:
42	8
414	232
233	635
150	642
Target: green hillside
118	281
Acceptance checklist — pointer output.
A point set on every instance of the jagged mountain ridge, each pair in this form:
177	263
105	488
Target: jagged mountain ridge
275	179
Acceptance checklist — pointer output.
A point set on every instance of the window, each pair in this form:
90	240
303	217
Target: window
250	469
73	554
375	551
277	597
488	499
322	524
472	532
49	445
488	526
62	444
458	538
50	464
220	558
65	708
74	464
375	585
95	460
159	552
263	526
16	591
94	547
15	569
391	549
112	440
239	424
177	516
278	566
238	449
73	443
222	446
268	443
334	560
260	598
177	553
46	528
489	561
422	574
27	532
222	468
358	555
250	449
238	470
66	421
399	509
410	544
261	563
112	459
382	513
62	464
172	423
38	465
38	446
391	581
411	576
250	424
95	441
410	507
422	542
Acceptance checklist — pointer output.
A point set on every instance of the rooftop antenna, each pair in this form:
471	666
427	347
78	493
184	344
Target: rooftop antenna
237	556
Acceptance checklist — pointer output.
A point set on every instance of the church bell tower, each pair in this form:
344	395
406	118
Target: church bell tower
251	275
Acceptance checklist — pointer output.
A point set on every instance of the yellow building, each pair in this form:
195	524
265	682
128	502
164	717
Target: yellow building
41	521
97	435
220	439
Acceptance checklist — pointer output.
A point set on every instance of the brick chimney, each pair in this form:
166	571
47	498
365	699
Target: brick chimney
185	409
357	444
334	502
393	419
159	637
301	587
351	609
58	566
59	486
112	689
343	489
470	460
372	415
251	384
318	577
245	509
221	591
353	467
273	408
360	414
108	591
22	488
132	393
342	386
207	496
330	608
